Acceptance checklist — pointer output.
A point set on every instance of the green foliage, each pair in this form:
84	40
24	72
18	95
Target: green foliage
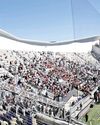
94	116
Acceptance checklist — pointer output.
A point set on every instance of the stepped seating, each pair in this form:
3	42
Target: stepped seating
11	118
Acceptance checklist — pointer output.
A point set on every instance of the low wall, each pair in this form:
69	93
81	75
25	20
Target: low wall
85	110
83	101
40	118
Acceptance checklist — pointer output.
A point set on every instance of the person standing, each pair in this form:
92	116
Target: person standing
86	117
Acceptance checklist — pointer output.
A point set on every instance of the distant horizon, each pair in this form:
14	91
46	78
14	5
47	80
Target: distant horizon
50	20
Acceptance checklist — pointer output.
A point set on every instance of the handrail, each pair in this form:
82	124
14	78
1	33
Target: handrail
73	109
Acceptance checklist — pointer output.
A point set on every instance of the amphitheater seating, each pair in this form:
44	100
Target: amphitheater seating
44	75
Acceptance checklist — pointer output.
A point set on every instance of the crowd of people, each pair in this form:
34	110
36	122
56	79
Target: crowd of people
48	74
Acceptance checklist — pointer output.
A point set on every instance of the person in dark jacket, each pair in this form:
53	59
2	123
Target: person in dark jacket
86	117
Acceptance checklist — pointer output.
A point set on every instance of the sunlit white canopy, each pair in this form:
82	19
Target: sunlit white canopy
10	42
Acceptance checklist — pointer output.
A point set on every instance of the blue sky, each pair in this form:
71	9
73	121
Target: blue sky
50	19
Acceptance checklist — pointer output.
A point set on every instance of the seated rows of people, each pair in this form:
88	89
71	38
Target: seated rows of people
53	74
15	110
47	74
